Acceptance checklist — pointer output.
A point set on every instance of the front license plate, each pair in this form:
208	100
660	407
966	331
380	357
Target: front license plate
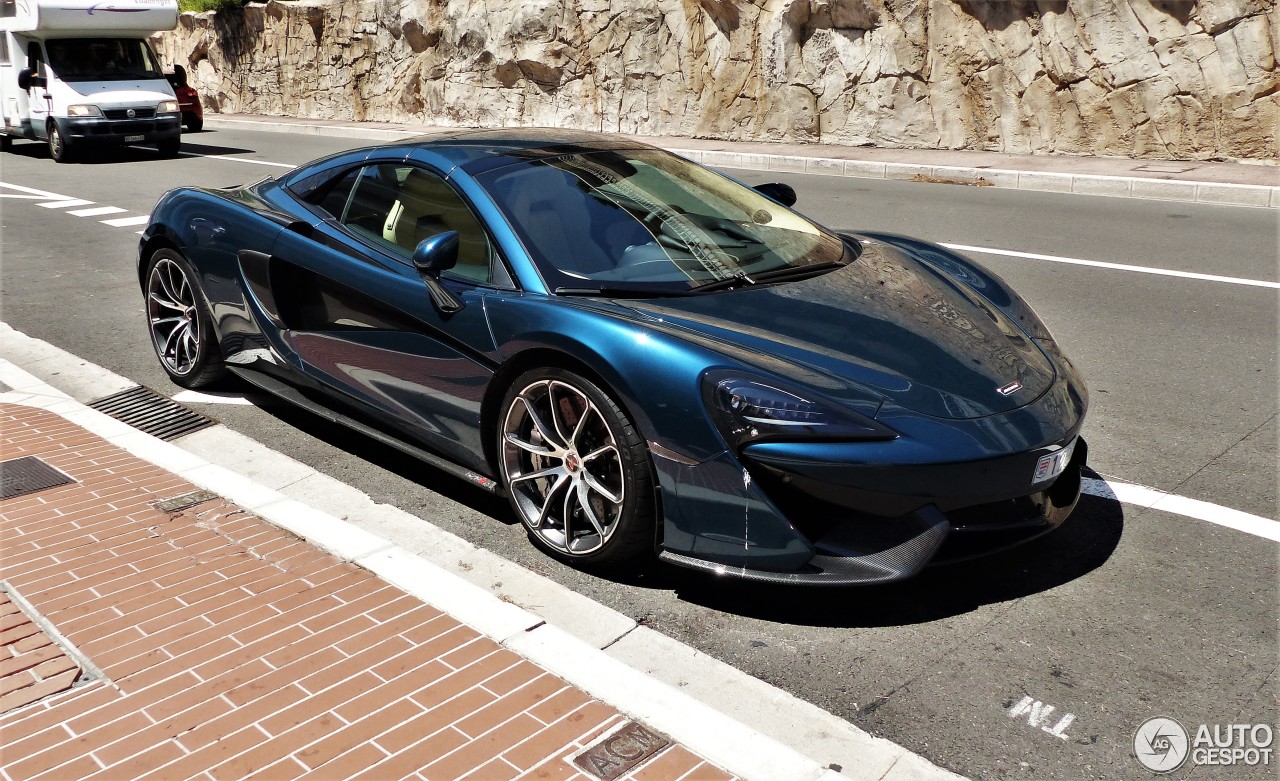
134	139
1054	464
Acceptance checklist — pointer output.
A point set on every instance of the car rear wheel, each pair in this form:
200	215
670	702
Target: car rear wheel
179	323
194	124
576	470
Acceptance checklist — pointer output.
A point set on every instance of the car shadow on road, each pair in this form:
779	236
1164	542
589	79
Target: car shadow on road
1082	544
114	155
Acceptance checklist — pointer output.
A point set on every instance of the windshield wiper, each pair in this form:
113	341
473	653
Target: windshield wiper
798	272
620	292
737	280
741	279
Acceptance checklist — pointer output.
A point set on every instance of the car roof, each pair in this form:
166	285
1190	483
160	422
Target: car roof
480	150
472	151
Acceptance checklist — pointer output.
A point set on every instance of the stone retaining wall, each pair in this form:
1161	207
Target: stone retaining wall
1097	77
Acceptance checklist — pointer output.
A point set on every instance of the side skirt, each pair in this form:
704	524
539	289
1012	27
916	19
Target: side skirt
290	394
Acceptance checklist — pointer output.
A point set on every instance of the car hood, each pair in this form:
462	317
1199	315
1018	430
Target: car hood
887	324
121	92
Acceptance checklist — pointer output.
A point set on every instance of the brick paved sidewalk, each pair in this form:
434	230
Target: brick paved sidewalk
206	643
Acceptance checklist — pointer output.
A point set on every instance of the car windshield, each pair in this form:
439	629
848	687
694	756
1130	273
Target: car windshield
102	59
647	221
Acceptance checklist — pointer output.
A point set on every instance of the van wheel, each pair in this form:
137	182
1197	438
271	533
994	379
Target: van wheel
59	146
169	148
6	144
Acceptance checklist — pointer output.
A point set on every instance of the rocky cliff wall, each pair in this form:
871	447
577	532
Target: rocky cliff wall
1099	77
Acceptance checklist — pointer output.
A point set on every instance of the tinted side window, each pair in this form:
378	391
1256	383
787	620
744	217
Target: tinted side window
396	206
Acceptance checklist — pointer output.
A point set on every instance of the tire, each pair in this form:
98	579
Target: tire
169	147
194	124
59	146
567	450
6	143
179	323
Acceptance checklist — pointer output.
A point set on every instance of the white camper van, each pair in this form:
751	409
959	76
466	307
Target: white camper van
79	73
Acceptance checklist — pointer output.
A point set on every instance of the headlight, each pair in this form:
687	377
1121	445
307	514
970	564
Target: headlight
751	409
84	110
168	107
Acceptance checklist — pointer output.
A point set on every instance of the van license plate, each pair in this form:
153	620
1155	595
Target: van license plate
134	139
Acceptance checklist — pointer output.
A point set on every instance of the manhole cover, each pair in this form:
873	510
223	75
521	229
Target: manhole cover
27	475
619	751
148	411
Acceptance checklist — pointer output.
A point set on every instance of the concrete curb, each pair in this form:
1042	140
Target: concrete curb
793	730
1081	184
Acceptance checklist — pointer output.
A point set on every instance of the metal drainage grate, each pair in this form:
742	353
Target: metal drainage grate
148	411
183	501
21	476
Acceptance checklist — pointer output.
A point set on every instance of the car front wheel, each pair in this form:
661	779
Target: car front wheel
577	471
59	146
178	321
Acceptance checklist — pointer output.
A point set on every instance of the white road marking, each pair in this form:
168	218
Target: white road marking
196	397
67	204
1037	714
239	160
1115	266
97	211
1164	501
125	222
33	191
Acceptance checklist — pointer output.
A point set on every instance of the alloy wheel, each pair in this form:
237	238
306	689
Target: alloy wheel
171	311
562	465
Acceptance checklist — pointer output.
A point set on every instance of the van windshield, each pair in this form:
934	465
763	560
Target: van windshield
102	59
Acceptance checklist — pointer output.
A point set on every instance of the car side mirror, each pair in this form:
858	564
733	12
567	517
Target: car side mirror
784	194
433	256
27	79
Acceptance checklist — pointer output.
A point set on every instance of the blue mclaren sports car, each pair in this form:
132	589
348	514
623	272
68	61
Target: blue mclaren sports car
645	356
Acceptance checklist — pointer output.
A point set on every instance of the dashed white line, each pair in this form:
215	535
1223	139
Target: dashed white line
238	160
125	222
66	204
1156	499
97	211
33	191
1115	266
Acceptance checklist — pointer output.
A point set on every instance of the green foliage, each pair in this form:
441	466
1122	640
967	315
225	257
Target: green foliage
208	5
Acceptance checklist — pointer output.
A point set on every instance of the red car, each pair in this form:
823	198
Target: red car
188	99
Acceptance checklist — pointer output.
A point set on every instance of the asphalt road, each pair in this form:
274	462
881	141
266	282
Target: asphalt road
1123	614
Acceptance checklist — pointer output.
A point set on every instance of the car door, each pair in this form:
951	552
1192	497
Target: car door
357	314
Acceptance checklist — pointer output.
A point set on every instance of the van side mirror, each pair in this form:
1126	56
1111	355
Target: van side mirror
433	256
27	79
784	194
